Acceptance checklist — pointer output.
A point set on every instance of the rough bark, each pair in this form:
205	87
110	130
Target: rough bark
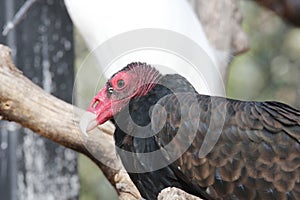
175	194
24	102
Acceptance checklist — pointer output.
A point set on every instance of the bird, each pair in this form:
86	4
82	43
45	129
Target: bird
161	124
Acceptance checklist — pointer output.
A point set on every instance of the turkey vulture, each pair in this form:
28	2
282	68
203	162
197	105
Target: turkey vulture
256	154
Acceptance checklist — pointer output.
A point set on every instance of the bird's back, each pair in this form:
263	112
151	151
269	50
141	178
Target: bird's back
257	150
254	148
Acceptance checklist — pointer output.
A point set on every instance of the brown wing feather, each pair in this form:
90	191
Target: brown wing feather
256	157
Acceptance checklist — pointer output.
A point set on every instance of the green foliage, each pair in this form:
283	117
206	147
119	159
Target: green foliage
270	70
93	183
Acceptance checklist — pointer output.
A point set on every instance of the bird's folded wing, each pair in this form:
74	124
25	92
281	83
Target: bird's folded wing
254	147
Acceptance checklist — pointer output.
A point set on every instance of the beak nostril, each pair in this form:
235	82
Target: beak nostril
96	103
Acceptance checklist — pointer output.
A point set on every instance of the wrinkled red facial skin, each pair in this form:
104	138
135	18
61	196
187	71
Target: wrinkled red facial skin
101	106
105	106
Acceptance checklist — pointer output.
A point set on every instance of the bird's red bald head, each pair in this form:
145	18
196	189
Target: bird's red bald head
135	80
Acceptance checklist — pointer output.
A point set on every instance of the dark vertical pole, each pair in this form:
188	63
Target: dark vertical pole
8	138
32	167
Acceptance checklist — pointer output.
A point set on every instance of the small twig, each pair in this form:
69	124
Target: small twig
18	17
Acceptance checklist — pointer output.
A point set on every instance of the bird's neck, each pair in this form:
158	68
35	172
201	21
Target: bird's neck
137	113
148	81
136	117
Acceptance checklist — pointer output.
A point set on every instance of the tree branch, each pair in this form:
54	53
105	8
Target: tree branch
24	102
175	194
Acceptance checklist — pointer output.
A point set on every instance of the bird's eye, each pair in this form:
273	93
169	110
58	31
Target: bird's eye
110	90
120	83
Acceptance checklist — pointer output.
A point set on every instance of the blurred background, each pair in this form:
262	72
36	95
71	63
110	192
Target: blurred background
269	70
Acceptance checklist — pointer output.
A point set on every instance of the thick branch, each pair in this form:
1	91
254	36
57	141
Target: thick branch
24	102
175	194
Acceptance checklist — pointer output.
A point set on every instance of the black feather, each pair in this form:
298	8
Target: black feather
256	157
